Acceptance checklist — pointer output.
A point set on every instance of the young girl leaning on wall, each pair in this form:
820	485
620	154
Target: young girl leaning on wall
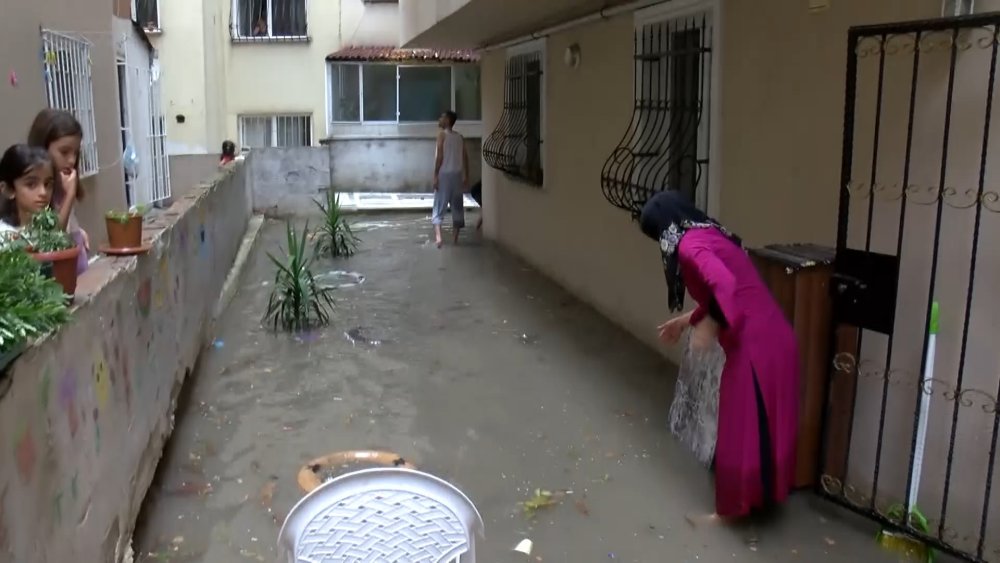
59	133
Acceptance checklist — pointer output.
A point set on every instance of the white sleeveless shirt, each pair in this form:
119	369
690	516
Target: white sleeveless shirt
452	146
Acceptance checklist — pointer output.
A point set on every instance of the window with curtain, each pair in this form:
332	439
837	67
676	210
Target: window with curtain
147	14
269	19
403	94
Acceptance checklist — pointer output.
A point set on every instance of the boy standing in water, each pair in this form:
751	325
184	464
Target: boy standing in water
451	176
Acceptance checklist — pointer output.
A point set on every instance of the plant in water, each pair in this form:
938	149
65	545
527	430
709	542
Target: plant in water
334	236
297	302
30	303
44	235
124	216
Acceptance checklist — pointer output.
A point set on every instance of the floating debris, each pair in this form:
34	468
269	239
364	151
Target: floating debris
540	500
363	335
524	546
339	279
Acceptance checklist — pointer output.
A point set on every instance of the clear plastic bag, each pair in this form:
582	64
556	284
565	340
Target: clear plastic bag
694	413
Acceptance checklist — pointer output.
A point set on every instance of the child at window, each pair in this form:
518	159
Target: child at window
26	186
228	153
59	133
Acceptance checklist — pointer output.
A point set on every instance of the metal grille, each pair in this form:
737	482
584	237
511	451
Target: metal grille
910	436
258	131
666	145
515	146
69	86
147	179
269	20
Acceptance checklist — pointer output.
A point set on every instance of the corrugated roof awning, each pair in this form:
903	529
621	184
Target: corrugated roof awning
397	54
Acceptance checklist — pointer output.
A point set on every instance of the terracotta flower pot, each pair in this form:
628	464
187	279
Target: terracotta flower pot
124	235
63	267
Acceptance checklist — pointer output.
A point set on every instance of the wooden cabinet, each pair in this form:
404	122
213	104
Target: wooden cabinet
799	278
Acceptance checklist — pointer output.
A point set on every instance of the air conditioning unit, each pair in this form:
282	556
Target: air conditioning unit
954	8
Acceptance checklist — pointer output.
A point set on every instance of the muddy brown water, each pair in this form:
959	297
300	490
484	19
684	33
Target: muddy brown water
477	369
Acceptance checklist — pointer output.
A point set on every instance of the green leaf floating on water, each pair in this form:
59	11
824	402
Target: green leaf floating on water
541	499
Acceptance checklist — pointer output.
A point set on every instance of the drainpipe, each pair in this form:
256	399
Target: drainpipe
602	14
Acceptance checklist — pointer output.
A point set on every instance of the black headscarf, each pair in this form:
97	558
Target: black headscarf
665	218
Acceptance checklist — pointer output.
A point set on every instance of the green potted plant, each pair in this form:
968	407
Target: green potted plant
124	230
334	235
297	302
30	303
49	244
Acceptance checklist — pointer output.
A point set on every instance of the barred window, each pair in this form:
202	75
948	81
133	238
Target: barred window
259	131
69	86
515	146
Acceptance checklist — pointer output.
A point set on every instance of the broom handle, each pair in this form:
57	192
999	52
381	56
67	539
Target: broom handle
925	405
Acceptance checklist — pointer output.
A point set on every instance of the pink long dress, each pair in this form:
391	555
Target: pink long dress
758	341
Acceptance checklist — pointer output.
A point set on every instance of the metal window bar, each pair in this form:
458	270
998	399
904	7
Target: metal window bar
143	127
515	146
275	131
69	86
269	21
916	163
158	139
667	142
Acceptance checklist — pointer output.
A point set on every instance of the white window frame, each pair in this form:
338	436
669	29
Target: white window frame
661	13
234	22
361	92
159	17
69	86
539	47
273	118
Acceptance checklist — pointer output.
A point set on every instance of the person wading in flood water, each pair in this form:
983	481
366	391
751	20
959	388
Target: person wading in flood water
451	177
759	387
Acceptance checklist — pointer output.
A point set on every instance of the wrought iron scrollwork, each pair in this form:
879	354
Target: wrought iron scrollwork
666	143
515	146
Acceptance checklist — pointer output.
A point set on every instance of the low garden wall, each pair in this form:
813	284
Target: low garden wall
85	413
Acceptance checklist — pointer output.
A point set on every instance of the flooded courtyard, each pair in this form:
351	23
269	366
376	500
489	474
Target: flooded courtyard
473	367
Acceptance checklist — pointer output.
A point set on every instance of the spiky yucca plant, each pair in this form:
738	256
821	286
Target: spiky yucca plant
297	302
334	236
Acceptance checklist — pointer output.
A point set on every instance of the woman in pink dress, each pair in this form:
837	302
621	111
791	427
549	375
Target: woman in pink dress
759	388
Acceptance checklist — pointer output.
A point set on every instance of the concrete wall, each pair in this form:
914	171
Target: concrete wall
20	45
84	414
188	171
286	181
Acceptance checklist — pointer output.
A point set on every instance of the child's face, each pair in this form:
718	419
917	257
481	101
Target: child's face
65	152
32	192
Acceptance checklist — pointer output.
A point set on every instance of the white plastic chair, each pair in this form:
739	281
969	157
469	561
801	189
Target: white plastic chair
383	515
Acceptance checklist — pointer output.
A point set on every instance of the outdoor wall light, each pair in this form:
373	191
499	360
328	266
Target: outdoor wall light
572	55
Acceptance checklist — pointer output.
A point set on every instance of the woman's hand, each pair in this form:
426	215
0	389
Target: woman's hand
670	331
704	335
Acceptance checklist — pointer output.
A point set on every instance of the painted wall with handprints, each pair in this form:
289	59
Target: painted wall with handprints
85	413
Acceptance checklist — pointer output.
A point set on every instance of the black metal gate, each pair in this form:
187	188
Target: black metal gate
912	417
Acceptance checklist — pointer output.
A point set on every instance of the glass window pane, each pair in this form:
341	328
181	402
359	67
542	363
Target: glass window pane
424	92
468	105
288	18
380	92
255	132
345	93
